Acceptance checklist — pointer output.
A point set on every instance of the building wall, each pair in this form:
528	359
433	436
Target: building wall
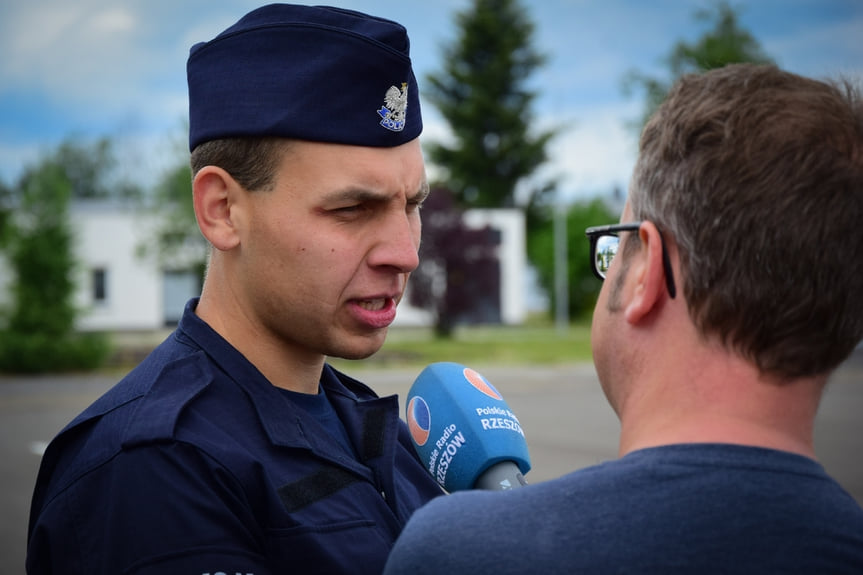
137	295
107	238
513	258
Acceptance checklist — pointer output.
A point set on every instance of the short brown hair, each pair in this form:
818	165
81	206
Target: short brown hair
252	162
757	175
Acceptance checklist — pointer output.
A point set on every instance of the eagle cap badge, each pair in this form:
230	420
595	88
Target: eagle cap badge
393	111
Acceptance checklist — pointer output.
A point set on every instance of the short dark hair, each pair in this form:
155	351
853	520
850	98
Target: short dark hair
252	162
756	174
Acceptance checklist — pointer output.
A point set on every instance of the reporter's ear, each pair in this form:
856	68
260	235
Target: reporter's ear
646	270
214	192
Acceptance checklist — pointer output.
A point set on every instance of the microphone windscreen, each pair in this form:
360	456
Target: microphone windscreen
460	425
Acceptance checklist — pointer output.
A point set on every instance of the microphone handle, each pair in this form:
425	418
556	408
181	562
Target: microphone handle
501	476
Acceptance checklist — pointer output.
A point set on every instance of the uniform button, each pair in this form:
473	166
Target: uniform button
384	495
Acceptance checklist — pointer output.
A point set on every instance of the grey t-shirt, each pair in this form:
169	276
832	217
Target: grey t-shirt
693	508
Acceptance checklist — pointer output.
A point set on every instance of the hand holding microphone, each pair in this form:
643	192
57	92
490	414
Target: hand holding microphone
464	432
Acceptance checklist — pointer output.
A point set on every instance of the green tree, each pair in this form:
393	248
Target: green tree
176	243
725	42
5	214
482	92
38	331
583	286
92	169
465	258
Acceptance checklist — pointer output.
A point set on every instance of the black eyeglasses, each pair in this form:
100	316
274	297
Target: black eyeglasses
604	242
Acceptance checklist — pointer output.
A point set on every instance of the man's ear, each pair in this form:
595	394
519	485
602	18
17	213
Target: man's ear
647	272
214	192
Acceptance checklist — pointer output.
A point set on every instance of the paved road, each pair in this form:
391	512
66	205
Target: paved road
562	410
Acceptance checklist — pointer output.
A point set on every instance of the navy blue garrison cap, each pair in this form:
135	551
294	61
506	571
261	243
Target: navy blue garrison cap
306	72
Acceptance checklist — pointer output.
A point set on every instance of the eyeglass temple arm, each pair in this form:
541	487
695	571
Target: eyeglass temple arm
666	265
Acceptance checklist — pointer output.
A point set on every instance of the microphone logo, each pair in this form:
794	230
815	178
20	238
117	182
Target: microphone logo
480	383
419	420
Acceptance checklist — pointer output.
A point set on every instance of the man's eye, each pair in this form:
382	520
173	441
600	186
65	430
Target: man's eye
348	209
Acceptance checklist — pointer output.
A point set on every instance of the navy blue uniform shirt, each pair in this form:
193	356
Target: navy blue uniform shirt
194	463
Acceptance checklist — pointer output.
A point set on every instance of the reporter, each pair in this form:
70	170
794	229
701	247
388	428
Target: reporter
732	291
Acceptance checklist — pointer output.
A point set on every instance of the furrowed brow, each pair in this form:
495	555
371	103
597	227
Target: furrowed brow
355	195
422	193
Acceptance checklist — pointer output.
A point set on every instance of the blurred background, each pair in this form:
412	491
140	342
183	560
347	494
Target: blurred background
532	112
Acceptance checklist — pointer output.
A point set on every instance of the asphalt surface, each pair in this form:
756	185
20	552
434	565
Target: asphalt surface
564	414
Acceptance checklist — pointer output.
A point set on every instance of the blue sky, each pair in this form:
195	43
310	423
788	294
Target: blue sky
116	68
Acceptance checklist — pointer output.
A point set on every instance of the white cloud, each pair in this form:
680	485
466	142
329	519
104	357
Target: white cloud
68	49
597	152
118	66
112	20
95	60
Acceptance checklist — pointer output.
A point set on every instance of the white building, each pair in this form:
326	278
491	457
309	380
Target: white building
119	290
512	255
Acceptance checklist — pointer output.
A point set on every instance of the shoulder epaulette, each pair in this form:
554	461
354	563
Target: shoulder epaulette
156	414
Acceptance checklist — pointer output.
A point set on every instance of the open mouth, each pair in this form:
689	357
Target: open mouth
372	304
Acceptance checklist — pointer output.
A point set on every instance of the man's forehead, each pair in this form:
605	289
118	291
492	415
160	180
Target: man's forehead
357	170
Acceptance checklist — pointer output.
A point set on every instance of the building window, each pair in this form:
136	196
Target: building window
177	287
100	285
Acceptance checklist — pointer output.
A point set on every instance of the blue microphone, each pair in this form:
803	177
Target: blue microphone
464	432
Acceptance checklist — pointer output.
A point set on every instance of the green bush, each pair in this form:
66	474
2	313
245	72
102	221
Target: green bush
37	329
41	353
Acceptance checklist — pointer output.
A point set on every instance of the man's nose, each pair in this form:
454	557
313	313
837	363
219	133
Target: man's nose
397	245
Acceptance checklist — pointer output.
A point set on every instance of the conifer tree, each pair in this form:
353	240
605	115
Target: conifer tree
483	93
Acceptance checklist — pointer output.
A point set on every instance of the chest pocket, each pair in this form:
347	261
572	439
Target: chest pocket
338	527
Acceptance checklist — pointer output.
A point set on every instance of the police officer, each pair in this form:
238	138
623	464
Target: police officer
234	447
